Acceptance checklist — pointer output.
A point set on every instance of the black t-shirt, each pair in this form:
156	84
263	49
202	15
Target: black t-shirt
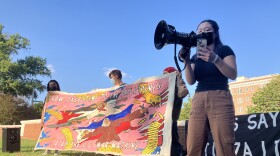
208	75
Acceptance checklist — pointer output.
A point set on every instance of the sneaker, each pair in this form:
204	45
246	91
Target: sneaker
47	152
56	152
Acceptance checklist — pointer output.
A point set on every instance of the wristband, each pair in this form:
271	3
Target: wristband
215	59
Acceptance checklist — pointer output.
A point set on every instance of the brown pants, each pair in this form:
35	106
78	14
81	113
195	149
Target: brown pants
211	111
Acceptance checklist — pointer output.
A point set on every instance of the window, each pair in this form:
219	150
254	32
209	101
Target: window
239	91
240	100
240	109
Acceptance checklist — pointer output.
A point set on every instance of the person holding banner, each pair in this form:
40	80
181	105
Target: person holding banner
212	105
181	91
116	77
53	85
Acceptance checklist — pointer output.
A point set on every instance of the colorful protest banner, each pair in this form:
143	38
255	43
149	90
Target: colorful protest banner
134	119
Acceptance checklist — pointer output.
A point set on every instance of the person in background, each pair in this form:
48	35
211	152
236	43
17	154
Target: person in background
181	91
53	85
212	105
116	77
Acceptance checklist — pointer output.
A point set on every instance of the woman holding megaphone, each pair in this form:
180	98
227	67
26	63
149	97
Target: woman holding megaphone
212	105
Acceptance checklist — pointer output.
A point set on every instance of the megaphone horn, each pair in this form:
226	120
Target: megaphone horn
163	34
166	34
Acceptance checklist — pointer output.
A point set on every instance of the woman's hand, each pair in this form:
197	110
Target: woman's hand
207	55
184	54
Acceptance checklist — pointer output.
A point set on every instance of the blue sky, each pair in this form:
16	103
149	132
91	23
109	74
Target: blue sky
83	40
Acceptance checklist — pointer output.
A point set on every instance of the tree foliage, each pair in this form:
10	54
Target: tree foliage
186	110
19	77
38	107
267	99
13	110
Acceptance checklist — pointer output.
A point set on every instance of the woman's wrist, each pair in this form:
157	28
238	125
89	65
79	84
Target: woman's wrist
215	59
187	62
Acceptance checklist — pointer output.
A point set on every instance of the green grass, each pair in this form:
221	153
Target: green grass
27	149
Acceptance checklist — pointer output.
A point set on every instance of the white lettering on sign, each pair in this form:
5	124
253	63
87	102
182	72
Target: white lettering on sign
274	118
235	125
276	147
263	148
247	150
262	123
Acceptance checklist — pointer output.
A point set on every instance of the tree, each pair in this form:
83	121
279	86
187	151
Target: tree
267	99
186	110
7	107
14	109
18	77
38	107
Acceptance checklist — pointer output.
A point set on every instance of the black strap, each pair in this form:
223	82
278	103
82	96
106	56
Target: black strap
175	55
176	60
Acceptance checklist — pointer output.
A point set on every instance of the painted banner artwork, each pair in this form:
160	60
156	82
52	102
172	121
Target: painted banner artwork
134	119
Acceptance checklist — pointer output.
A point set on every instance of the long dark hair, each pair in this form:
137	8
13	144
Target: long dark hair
218	43
48	86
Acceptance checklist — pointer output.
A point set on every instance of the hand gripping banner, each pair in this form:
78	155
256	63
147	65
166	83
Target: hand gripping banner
134	119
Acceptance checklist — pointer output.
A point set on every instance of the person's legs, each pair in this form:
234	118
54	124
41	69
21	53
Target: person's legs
197	126
221	119
176	147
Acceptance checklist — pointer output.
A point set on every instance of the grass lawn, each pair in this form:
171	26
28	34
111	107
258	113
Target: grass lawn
27	147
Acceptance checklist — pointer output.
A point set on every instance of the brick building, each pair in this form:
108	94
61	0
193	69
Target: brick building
243	88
